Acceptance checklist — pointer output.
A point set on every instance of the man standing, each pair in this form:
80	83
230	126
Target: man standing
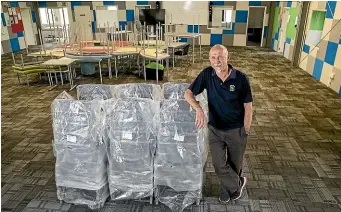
230	116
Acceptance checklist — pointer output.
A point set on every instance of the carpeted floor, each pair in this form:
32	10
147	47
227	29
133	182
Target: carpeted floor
292	159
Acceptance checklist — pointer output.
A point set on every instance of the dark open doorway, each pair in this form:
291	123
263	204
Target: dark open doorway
255	26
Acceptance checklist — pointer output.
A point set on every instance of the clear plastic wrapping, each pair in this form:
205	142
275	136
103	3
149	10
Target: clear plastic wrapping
81	162
94	92
138	90
180	156
174	90
131	133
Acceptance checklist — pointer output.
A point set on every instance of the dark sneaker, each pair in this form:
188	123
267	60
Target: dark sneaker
236	195
224	196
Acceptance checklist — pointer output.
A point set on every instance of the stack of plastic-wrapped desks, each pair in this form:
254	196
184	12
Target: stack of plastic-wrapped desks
129	142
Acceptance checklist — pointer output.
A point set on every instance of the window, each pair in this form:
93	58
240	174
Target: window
227	18
221	17
316	27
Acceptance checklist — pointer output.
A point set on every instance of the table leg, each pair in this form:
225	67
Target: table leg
157	72
109	67
193	39
116	66
144	69
100	71
173	57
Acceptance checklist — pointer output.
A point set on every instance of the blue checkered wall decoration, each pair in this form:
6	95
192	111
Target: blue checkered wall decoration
122	24
255	3
14	4
288	40
75	3
289	3
130	15
190	28
241	16
108	3
229	31
42	4
93	27
219	3
34	19
3	19
94	12
331	53
216	39
273	43
317	69
330	8
142	2
306	48
15	44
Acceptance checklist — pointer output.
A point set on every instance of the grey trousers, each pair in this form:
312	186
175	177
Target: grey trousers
227	149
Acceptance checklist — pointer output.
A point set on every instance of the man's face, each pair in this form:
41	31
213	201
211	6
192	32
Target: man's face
219	59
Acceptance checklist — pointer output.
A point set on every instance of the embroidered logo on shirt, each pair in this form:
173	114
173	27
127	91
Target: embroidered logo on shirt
232	87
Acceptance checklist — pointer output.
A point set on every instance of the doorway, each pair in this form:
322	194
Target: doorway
83	22
28	26
54	23
283	30
255	26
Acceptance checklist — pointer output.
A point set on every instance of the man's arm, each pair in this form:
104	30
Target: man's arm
190	98
248	116
200	115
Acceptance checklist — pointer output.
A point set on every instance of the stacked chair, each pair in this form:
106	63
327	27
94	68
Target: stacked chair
131	133
81	174
94	92
129	142
180	154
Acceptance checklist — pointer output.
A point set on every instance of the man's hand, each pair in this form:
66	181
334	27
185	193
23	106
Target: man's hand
200	118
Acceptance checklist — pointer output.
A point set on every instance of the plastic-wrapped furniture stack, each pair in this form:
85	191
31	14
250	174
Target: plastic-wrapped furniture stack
94	92
81	174
181	151
137	90
131	130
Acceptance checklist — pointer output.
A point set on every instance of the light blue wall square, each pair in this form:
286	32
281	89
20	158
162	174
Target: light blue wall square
317	71
190	28
108	3
219	3
330	8
75	3
241	16
142	2
216	39
34	18
306	48
331	53
130	15
3	19
255	3
15	44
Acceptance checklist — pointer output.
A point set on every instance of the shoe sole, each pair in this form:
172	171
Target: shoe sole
223	202
241	190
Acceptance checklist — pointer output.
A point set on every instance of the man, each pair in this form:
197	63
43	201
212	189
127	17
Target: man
230	115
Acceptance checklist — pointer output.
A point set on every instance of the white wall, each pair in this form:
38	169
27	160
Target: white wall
183	12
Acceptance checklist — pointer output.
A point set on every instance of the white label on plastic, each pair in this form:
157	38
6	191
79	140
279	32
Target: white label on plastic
127	135
71	138
74	108
178	137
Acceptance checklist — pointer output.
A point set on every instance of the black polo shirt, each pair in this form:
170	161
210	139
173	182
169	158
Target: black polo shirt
225	99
